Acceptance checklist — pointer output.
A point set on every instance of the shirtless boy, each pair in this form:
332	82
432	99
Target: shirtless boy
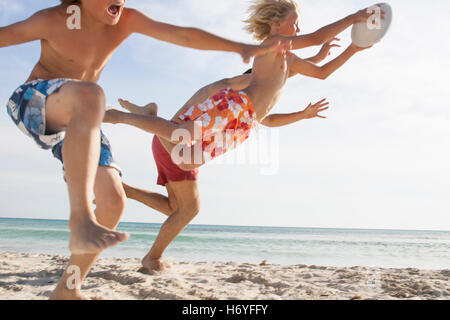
231	114
61	108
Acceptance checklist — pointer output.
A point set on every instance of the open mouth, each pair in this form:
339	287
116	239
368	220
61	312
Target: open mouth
114	10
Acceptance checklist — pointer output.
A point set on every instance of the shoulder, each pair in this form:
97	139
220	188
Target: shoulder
49	16
134	20
53	12
293	58
131	14
270	40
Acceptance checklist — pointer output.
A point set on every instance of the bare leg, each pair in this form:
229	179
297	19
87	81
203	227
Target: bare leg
188	200
111	201
146	119
78	108
149	123
150	109
159	202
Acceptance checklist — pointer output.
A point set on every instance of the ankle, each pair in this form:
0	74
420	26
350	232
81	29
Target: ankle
81	218
153	257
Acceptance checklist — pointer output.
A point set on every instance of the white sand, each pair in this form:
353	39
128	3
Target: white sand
33	276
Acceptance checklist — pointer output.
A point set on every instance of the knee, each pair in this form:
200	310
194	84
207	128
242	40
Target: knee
118	202
172	208
114	204
89	100
191	209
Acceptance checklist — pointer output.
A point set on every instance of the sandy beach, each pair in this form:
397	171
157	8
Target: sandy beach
33	276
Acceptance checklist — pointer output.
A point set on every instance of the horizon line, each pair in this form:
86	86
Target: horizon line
260	226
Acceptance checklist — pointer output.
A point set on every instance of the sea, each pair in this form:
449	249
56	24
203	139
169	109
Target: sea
275	245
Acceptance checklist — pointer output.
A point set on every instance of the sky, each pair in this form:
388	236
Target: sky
379	161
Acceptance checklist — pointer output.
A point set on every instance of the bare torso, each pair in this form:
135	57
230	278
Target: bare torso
269	76
77	54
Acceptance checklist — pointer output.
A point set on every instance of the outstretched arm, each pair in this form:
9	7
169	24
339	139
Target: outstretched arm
312	111
300	66
195	38
324	52
34	28
328	32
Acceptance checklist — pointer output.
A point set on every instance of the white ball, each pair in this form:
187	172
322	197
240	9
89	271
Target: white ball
365	34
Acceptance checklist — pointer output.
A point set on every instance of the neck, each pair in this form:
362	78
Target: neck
89	22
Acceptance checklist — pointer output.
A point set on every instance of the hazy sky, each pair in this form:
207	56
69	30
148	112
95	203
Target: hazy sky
380	159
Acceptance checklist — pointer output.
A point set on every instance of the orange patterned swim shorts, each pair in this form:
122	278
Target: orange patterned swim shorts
226	119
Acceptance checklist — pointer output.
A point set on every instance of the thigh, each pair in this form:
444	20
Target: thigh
58	107
196	160
185	192
73	96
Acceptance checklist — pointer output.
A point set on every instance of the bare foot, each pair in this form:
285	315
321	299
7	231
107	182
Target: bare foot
150	109
112	116
61	293
90	237
152	266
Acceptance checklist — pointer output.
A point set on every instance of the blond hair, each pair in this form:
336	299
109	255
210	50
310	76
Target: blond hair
263	13
70	1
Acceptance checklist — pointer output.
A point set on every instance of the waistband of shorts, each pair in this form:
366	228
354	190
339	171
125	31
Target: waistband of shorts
42	80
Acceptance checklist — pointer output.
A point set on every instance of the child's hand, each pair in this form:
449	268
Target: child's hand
325	51
275	44
312	111
364	14
356	49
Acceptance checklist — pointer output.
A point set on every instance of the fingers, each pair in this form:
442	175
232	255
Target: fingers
321	101
318	107
334	39
313	110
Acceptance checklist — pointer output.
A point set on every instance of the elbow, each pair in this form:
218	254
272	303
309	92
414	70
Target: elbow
225	83
267	122
322	75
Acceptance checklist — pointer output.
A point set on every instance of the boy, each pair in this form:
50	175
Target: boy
61	107
227	116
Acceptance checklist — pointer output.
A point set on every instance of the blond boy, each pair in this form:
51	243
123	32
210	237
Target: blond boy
227	111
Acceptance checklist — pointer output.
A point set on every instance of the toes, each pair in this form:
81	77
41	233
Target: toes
153	108
124	103
120	236
143	270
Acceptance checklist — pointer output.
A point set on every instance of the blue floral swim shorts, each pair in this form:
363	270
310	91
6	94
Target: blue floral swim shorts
26	108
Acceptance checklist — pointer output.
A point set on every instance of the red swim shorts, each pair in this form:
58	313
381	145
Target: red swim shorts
167	169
